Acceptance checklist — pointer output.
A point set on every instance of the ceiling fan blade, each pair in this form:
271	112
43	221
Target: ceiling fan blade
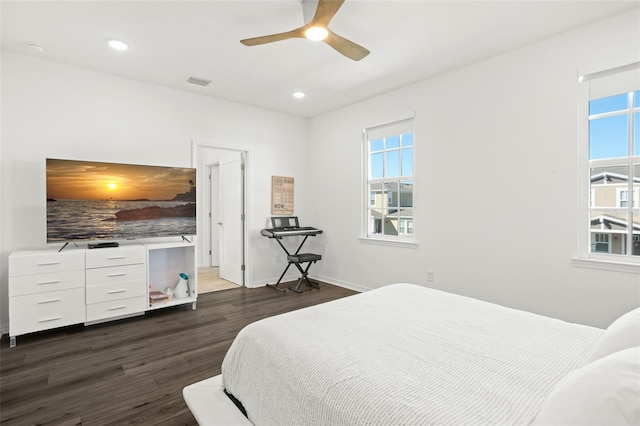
348	48
298	32
325	12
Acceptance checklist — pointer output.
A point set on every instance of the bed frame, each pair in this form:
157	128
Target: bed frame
211	406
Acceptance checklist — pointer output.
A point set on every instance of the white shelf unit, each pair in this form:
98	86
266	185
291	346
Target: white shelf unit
50	289
165	262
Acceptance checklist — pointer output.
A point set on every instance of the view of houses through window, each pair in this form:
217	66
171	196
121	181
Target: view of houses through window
614	162
389	165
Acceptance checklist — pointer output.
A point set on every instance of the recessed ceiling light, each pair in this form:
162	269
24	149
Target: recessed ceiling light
36	47
298	95
117	44
316	33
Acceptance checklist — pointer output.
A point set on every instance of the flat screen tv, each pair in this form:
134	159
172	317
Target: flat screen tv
88	200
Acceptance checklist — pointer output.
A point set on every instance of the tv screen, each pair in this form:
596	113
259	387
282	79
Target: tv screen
89	200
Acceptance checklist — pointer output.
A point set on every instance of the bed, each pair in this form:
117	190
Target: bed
401	354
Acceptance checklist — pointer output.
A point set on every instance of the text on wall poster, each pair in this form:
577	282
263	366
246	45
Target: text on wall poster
281	195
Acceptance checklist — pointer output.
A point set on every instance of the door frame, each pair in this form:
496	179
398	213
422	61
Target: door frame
200	164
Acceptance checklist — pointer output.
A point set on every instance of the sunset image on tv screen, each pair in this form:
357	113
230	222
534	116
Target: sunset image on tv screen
94	200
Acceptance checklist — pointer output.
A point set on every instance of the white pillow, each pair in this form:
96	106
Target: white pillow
623	333
605	392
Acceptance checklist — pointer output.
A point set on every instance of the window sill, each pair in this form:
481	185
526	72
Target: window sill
389	242
606	265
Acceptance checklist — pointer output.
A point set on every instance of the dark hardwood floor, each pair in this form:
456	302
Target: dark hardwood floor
133	371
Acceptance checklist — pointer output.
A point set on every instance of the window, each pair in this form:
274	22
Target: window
389	182
623	197
614	165
610	143
600	243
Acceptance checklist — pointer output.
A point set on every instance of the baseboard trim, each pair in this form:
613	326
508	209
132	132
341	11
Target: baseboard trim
340	283
321	278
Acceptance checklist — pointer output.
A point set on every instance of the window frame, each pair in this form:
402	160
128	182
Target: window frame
584	257
405	126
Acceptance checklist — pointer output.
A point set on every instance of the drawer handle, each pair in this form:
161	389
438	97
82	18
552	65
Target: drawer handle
115	308
50	319
117	274
49	301
48	282
116	291
55	262
116	257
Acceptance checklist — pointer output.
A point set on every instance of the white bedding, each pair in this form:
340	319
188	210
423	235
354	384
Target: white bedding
402	354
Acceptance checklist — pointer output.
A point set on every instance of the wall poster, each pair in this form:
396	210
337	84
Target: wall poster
281	195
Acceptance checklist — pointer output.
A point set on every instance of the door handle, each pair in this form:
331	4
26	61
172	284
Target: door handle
220	223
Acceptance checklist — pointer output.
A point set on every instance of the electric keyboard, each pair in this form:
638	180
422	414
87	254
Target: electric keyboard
290	231
288	226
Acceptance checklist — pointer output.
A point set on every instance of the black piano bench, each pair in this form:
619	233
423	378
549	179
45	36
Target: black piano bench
309	259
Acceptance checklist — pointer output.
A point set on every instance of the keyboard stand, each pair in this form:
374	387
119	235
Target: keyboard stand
297	259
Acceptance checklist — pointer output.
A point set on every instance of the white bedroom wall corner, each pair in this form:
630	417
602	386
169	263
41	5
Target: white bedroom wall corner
513	229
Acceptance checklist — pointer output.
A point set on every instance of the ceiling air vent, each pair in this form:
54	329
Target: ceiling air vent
198	81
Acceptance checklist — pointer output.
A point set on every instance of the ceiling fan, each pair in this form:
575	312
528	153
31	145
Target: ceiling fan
318	30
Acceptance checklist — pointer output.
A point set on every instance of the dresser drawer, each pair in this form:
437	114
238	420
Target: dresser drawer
116	291
117	274
44	262
52	281
100	258
45	322
99	311
34	312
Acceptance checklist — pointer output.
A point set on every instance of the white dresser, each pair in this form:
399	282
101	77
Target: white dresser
116	282
49	289
46	290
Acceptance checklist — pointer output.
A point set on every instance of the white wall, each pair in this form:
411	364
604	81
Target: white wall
496	182
496	177
54	110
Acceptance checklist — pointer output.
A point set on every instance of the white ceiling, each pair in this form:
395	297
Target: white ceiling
409	40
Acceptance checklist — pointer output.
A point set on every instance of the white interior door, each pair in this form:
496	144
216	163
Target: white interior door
214	215
231	223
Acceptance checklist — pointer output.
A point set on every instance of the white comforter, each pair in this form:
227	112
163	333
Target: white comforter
402	355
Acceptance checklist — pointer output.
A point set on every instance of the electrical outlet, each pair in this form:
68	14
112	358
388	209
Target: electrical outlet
430	276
